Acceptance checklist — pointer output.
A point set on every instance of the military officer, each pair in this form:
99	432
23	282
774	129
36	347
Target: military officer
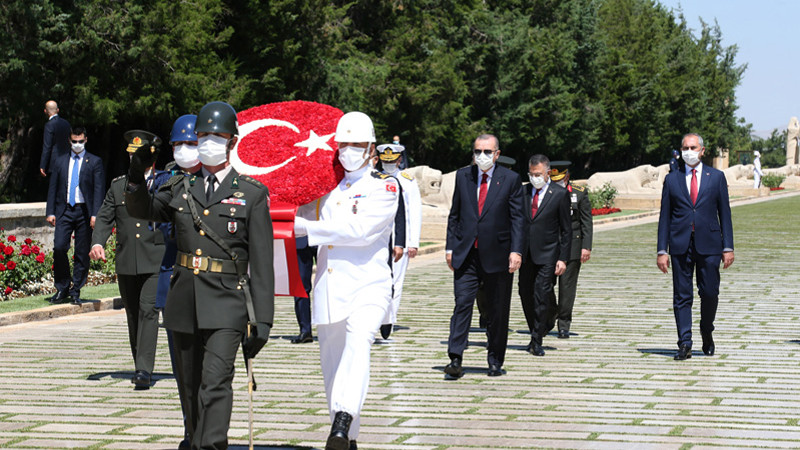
391	155
140	247
351	226
223	231
581	248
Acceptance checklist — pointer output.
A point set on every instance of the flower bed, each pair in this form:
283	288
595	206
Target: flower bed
776	188
604	211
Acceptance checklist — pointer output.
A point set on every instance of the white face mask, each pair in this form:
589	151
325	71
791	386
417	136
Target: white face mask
77	148
690	157
186	156
212	149
351	158
484	161
537	182
389	167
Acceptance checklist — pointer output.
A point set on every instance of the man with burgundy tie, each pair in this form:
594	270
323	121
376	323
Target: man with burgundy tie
548	238
695	231
484	245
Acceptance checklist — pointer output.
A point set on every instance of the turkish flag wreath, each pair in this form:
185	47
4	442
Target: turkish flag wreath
289	147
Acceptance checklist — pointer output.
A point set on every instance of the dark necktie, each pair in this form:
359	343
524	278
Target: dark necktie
693	191
210	187
535	203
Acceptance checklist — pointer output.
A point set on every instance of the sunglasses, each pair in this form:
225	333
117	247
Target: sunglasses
77	141
486	151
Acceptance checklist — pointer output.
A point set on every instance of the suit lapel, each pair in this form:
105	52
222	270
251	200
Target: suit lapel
472	188
198	190
497	178
545	201
704	183
681	180
224	190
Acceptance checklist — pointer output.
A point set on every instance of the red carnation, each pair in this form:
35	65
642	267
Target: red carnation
2	267
25	250
8	250
40	258
2	257
11	265
28	241
35	250
12	238
2	246
8	290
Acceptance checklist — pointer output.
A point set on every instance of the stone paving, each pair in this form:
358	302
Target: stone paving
612	385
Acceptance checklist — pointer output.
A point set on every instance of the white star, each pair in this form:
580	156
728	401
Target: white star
314	143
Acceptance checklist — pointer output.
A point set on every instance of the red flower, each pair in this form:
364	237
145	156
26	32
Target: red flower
114	230
8	250
28	241
2	267
35	250
25	250
12	238
40	258
11	265
2	257
8	290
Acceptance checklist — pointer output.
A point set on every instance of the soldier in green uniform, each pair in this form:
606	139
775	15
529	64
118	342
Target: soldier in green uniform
140	247
581	250
223	230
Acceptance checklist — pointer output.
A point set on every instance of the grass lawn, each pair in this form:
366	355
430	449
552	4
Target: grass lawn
626	212
40	301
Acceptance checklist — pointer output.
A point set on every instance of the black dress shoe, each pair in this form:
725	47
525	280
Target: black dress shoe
59	297
75	301
353	445
536	349
563	334
303	338
386	331
708	344
454	369
684	352
494	370
185	445
338	439
141	379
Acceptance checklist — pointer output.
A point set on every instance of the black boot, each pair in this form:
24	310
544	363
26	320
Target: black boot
353	445
386	331
338	439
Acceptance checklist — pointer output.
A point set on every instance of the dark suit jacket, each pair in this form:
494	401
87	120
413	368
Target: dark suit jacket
92	181
140	244
549	234
711	215
499	229
56	142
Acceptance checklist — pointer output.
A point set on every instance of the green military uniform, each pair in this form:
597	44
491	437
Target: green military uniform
581	214
206	307
140	247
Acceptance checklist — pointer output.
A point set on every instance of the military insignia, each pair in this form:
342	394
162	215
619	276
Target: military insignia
192	179
238	194
185	196
234	201
355	207
235	185
575	198
391	187
183	130
210	120
232	226
196	260
407	176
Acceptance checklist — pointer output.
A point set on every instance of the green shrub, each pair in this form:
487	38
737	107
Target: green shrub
602	197
772	180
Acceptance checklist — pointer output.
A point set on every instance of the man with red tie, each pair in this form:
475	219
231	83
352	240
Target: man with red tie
484	245
695	231
547	244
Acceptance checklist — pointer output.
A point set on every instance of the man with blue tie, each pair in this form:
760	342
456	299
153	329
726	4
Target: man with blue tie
695	231
76	191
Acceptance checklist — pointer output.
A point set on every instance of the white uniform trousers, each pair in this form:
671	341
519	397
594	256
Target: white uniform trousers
399	269
344	353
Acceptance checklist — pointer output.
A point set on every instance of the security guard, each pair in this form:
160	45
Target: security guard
351	226
581	249
391	156
140	247
223	231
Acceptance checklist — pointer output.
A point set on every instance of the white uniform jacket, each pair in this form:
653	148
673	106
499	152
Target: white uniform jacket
413	203
351	226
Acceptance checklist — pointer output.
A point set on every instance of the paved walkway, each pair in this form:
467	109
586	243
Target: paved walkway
613	384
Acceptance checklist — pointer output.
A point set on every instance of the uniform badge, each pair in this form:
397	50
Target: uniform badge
355	207
238	194
232	226
574	198
196	260
391	187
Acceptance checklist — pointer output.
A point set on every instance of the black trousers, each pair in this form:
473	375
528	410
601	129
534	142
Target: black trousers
302	305
74	220
567	288
497	289
139	297
205	363
536	293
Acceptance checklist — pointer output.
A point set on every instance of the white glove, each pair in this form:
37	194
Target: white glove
300	227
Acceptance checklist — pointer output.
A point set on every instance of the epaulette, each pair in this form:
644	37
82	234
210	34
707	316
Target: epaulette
407	176
175	179
379	175
251	180
578	188
119	178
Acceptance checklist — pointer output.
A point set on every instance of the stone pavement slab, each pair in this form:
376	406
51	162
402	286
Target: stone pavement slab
612	385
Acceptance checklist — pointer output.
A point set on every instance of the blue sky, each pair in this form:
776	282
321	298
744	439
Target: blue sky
766	33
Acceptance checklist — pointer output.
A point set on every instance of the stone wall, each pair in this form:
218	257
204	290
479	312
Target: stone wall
27	220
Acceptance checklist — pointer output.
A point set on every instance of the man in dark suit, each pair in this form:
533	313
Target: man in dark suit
56	139
546	252
76	192
140	248
484	245
222	288
695	231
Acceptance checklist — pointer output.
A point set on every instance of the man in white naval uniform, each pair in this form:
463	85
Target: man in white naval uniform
757	173
391	156
351	226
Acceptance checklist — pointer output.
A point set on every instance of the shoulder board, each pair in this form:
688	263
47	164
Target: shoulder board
406	176
121	177
578	188
251	180
380	175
